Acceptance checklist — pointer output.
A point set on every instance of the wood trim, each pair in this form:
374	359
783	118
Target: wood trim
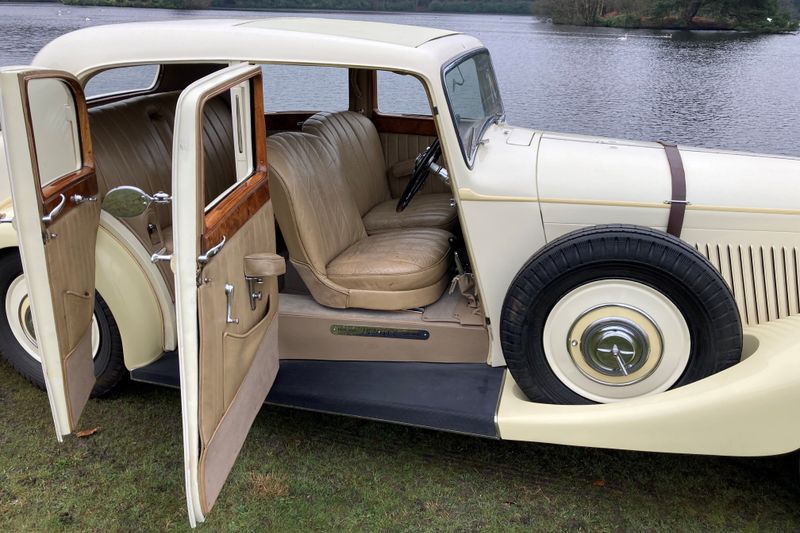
286	120
407	124
233	211
82	181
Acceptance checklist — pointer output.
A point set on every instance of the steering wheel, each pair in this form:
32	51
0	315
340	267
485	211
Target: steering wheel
422	167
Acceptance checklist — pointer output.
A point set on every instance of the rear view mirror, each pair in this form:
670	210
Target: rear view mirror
128	202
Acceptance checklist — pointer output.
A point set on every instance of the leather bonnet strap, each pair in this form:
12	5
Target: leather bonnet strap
677	205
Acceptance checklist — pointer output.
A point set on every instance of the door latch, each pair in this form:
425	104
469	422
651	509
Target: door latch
160	255
206	257
78	199
229	305
255	295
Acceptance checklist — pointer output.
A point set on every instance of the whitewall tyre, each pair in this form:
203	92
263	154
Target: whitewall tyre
615	312
18	338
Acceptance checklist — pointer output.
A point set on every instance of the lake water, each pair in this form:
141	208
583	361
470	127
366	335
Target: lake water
719	90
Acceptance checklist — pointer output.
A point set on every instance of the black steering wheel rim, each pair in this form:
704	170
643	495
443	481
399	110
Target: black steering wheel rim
422	167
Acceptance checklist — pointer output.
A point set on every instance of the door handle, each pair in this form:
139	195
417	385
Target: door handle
56	210
5	220
229	305
78	199
203	259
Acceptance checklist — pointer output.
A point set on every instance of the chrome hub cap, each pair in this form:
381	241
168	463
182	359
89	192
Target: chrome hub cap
615	344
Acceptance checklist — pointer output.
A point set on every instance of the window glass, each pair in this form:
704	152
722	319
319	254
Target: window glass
54	121
228	148
122	80
474	99
401	94
305	88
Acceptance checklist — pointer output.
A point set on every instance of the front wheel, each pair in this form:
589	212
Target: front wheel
616	312
18	339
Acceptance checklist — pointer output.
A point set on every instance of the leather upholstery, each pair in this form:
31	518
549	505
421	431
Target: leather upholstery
132	145
424	211
354	137
399	152
394	260
328	245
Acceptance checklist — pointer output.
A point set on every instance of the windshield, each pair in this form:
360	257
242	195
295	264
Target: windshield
474	99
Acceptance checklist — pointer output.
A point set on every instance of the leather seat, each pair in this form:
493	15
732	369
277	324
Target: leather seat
355	139
132	145
341	264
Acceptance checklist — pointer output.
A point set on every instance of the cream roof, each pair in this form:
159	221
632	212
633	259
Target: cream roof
279	40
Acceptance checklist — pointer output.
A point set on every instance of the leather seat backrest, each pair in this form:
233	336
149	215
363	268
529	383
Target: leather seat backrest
313	203
354	137
132	145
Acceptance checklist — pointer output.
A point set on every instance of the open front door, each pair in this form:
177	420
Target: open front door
226	282
54	188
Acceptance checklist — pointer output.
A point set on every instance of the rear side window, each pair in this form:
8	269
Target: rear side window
122	80
305	88
401	94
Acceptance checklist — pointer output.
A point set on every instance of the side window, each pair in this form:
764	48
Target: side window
401	94
55	135
305	88
122	80
228	148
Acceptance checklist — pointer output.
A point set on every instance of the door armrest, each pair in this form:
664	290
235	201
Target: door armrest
264	265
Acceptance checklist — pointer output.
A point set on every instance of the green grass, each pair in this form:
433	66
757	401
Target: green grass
304	471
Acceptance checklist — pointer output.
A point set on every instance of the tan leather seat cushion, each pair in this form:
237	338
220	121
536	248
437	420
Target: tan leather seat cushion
393	261
356	141
424	211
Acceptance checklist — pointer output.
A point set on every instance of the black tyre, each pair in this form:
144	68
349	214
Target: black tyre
18	342
614	312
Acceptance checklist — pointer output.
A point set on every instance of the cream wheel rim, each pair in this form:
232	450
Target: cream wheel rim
20	319
610	340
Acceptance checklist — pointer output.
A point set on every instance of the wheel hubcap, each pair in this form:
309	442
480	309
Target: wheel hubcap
615	347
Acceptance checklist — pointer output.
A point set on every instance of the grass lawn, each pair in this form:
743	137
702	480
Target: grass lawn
311	472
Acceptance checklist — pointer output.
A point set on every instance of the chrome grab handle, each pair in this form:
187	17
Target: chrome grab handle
203	259
56	210
229	305
160	256
78	199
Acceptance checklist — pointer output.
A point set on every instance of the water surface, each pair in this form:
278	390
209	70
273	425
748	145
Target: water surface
716	89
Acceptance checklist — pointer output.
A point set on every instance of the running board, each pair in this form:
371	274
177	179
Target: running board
456	397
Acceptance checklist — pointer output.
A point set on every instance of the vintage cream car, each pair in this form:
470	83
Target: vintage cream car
442	269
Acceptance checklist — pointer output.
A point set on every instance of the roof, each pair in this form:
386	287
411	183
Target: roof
270	40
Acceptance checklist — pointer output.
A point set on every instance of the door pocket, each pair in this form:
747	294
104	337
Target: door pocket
238	352
78	309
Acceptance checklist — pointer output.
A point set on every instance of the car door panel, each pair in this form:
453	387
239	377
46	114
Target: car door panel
228	352
54	187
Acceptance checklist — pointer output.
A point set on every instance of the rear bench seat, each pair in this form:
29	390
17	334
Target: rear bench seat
132	145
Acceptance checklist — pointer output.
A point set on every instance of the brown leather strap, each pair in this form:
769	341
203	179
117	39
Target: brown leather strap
677	205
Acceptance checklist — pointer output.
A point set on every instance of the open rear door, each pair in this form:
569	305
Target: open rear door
54	188
226	282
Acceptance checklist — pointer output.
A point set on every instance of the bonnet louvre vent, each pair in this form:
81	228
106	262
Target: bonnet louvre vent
764	279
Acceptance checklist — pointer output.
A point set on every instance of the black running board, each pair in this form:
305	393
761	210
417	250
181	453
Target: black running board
455	397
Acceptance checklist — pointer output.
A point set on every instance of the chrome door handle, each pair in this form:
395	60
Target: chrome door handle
203	259
56	210
78	199
229	305
160	256
5	220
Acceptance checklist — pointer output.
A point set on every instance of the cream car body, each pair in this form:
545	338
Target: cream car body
524	189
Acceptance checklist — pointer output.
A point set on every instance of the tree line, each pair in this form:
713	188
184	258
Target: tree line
754	15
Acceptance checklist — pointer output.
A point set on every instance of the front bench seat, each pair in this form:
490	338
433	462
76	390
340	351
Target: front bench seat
341	264
355	139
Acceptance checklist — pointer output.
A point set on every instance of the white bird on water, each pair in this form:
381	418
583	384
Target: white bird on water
623	38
